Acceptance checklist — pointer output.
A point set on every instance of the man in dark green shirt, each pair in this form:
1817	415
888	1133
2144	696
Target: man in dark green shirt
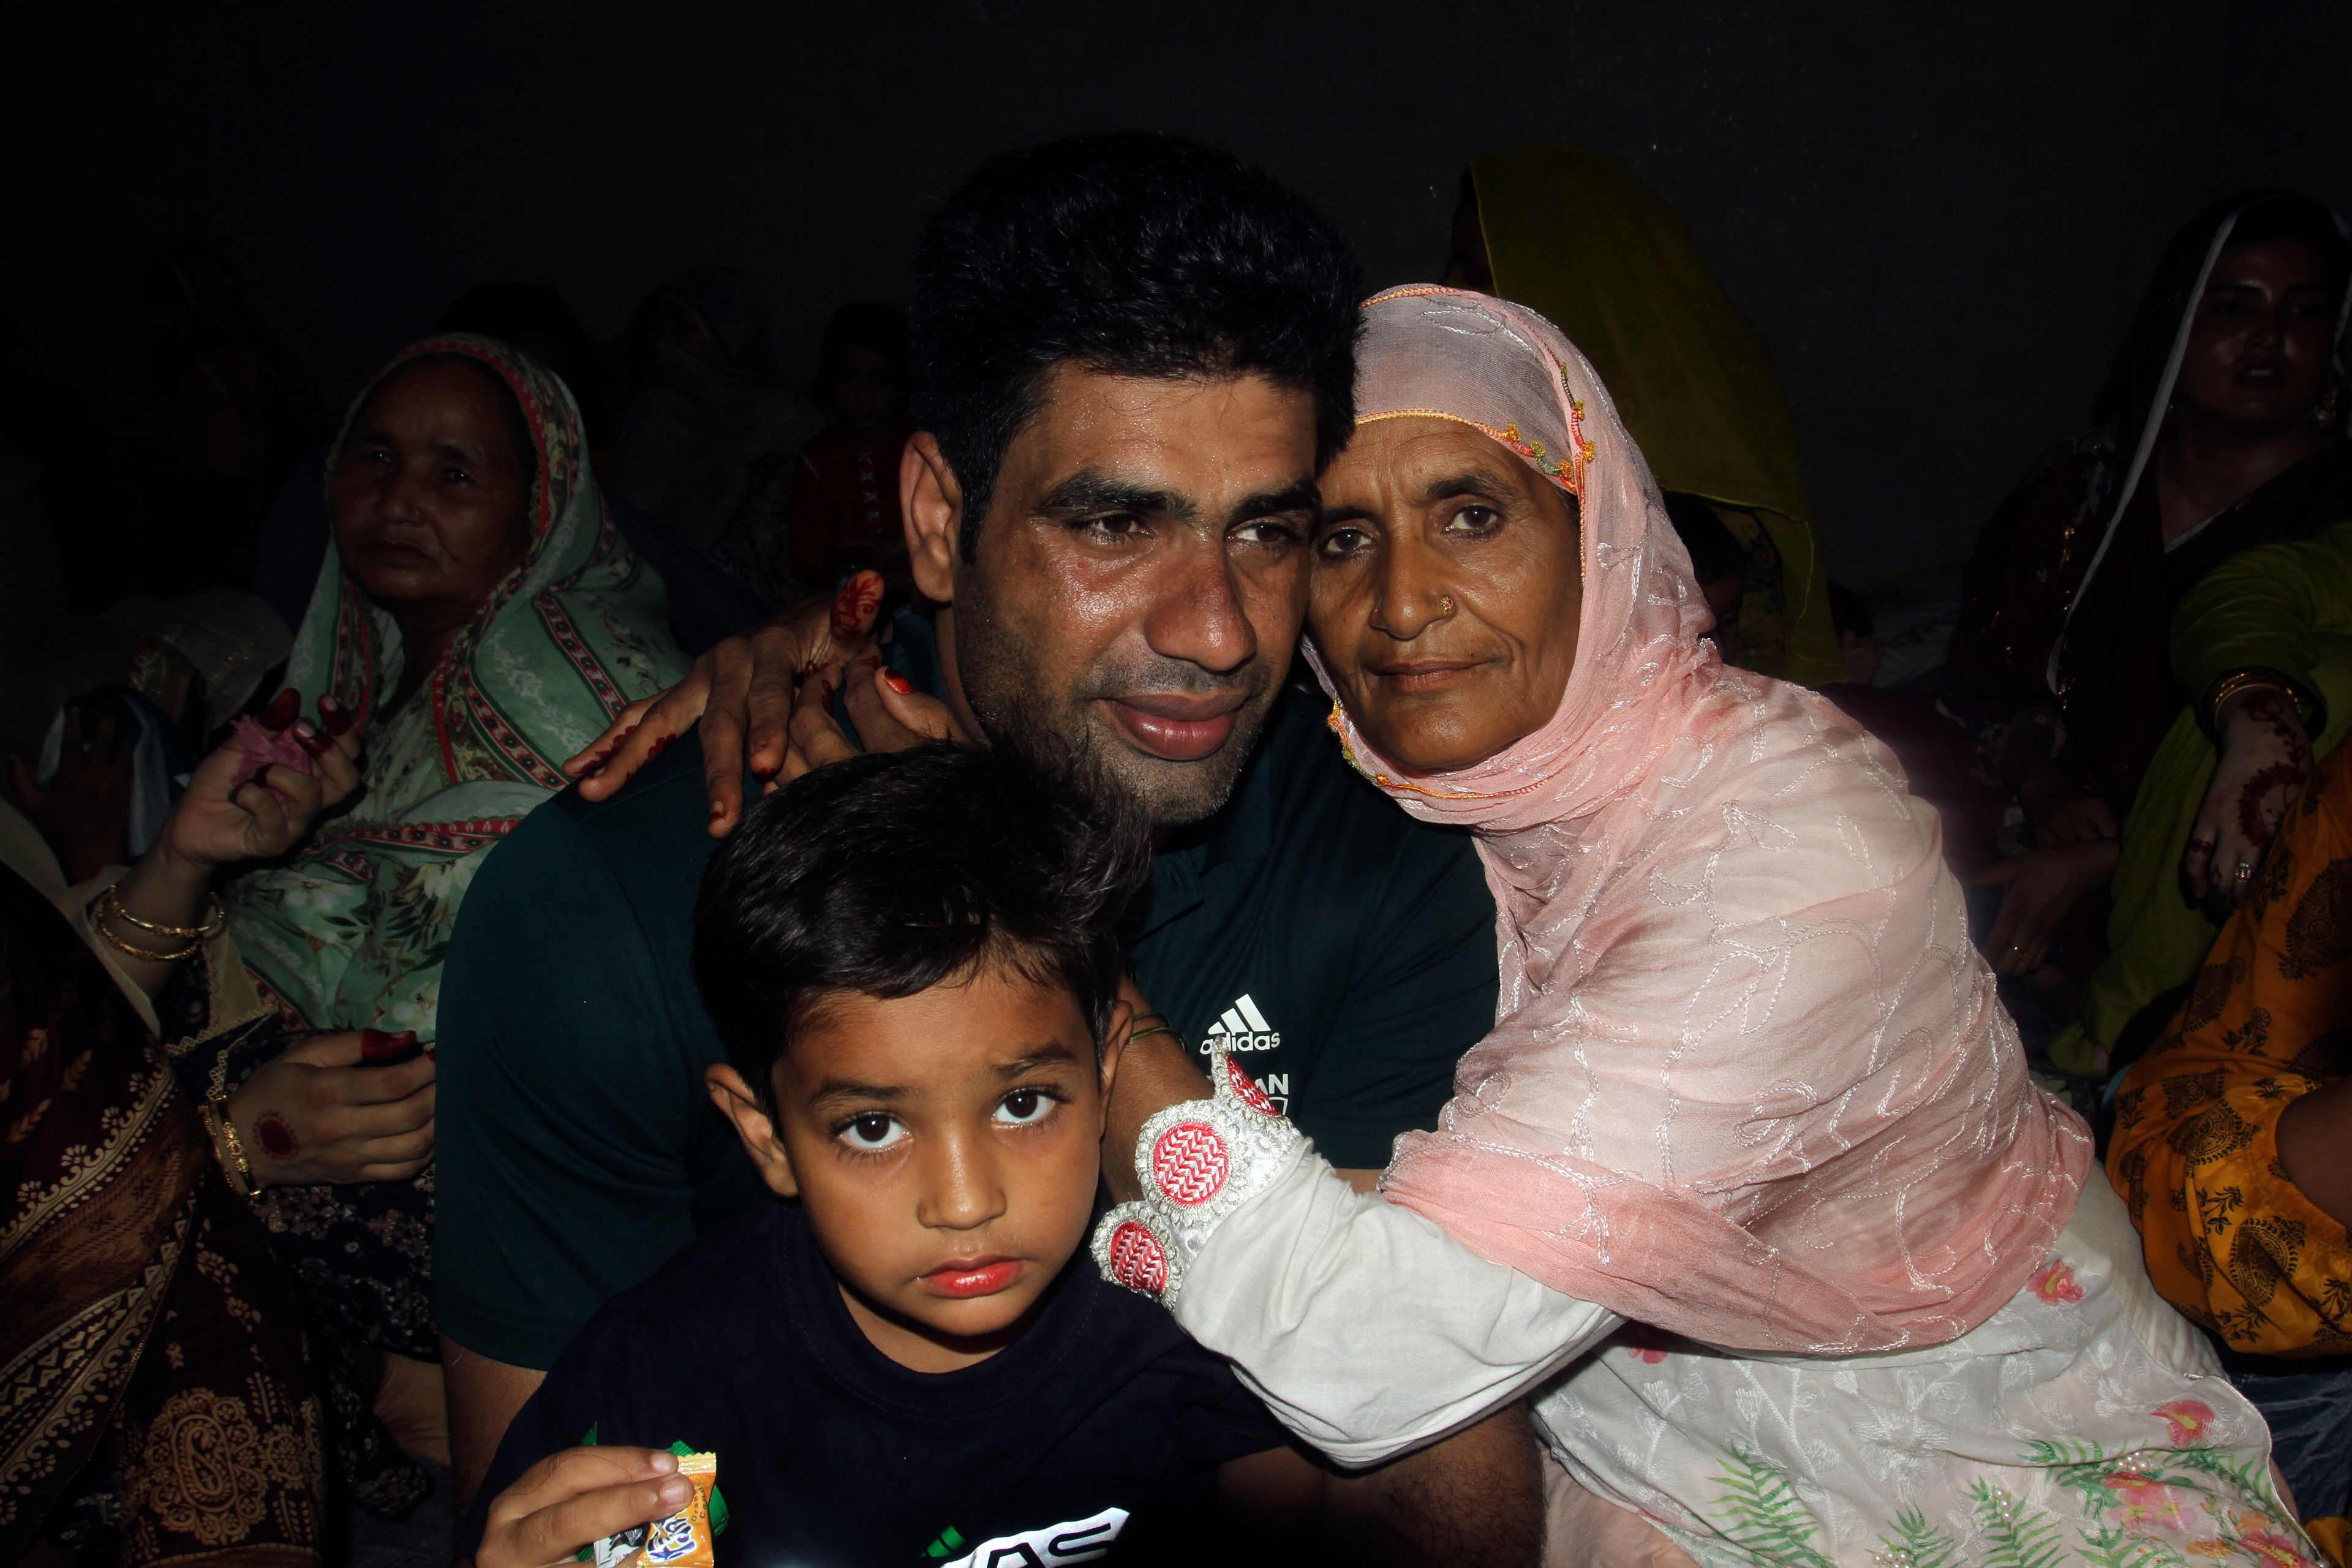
1133	356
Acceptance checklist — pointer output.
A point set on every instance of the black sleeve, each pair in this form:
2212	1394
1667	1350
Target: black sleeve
1217	1419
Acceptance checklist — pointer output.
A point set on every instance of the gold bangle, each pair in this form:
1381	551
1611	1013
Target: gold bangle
243	1178
213	923
2239	682
97	924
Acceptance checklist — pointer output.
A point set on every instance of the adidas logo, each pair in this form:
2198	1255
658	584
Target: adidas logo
1243	1028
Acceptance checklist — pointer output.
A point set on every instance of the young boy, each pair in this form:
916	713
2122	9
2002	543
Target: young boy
913	961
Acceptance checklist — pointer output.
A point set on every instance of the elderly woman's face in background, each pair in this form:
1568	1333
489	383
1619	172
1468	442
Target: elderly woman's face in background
432	498
1446	593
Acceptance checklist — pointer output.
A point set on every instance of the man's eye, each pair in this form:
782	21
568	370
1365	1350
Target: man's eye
1342	542
1025	1107
875	1130
1475	520
1118	528
457	477
1270	531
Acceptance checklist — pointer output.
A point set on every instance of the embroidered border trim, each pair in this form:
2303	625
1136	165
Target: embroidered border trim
1196	1162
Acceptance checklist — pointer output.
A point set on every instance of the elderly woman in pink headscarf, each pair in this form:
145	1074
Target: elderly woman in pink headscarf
1749	1191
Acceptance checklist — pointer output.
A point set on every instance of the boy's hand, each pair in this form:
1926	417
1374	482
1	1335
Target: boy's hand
575	1498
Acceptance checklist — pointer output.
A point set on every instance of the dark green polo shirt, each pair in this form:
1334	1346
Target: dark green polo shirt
1343	950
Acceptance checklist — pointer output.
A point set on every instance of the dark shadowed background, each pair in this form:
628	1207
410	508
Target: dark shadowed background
1938	216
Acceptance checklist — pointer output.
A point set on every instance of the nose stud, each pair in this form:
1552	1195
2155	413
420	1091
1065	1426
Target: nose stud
1445	602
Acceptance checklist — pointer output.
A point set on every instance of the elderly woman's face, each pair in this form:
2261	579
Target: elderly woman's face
1445	592
432	499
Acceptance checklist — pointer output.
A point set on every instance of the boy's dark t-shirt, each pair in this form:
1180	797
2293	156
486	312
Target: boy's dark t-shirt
1102	1425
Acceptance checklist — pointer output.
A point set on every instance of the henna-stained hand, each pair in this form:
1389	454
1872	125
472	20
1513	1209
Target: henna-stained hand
742	696
323	1112
2265	763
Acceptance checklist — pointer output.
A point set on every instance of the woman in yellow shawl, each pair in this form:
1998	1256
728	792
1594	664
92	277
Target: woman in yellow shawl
1573	236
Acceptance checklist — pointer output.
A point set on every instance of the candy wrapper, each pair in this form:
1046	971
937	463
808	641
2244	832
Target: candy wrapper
262	748
685	1539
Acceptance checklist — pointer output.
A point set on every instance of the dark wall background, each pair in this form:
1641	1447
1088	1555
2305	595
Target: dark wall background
1939	216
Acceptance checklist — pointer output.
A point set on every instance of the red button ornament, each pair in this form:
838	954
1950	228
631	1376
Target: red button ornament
1189	1163
1247	1088
1136	1260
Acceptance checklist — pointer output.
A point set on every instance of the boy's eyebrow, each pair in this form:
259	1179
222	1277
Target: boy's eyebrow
1045	1054
834	1088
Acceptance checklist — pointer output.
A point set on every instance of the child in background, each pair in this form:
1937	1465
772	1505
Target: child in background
845	485
1718	563
912	959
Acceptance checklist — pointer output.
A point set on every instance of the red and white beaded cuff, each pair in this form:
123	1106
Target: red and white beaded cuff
1197	1162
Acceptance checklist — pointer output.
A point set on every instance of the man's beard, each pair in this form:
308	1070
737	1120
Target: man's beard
1066	734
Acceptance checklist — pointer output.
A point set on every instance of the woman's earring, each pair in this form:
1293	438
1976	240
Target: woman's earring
2327	412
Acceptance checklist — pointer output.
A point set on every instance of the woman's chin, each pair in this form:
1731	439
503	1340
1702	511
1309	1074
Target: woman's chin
1426	748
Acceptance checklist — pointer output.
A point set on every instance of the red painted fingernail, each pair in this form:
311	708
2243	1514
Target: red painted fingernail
337	716
307	736
897	682
375	1045
282	709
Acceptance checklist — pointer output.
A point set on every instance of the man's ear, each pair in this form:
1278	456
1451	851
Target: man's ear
736	1102
931	501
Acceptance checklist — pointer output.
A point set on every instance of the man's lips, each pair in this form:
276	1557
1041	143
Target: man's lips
1423	674
1178	729
967	1278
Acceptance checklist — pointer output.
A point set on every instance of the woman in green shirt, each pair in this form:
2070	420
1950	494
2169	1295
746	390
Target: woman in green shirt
2264	643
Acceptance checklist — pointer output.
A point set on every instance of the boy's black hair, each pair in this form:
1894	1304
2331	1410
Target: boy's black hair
1133	254
1715	552
891	873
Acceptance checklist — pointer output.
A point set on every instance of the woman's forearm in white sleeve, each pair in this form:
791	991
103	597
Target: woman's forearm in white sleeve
1364	1327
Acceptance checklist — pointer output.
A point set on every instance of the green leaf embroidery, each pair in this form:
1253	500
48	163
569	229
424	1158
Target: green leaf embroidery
2015	1536
1762	1514
1915	1544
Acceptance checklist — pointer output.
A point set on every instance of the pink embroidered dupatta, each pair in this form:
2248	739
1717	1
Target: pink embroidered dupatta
1750	1081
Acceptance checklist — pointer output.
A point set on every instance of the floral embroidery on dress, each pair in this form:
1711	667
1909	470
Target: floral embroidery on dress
2185	1417
2055	1284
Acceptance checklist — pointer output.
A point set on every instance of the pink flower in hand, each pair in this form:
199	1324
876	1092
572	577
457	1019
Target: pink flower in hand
2187	1418
2055	1284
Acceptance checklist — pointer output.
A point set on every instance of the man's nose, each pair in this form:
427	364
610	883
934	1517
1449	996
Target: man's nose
962	1189
1198	616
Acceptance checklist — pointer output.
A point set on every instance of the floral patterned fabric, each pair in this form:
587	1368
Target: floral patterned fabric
2082	1423
2228	1238
352	931
147	1334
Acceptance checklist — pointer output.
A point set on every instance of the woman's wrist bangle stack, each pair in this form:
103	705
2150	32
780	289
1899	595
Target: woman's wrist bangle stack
228	1146
2239	682
109	909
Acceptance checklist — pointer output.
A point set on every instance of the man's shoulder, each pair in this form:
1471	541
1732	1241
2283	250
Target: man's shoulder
707	1293
1320	808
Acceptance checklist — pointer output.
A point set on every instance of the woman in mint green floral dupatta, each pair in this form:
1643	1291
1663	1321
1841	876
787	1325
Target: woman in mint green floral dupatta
352	931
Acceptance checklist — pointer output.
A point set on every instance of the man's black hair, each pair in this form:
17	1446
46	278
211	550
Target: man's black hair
890	873
1134	255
